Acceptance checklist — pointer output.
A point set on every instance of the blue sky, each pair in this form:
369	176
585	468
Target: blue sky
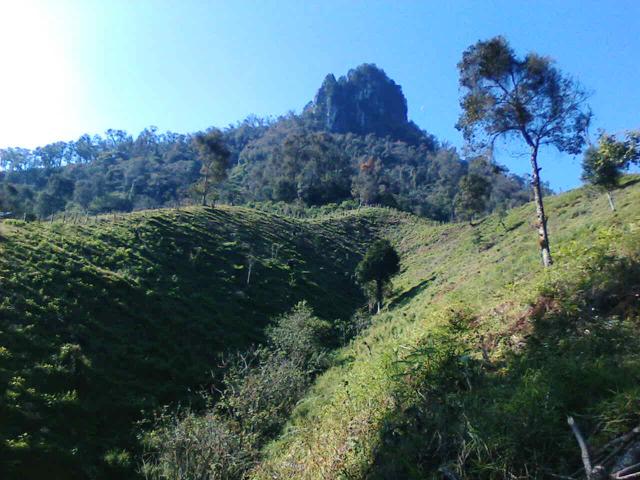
75	66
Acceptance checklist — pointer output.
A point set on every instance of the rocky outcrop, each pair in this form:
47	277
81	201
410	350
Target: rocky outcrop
365	101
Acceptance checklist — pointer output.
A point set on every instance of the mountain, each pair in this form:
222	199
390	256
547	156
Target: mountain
353	144
364	101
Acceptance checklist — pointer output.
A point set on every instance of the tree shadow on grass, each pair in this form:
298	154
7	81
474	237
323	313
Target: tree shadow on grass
404	298
458	413
629	182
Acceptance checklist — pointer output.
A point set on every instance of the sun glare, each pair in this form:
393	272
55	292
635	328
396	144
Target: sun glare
37	91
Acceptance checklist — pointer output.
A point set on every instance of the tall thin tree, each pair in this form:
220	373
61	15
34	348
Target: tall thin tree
529	98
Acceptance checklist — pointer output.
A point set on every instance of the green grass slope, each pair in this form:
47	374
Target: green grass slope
481	354
103	321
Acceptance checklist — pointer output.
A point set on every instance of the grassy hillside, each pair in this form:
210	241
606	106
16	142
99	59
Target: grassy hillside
473	365
482	354
103	321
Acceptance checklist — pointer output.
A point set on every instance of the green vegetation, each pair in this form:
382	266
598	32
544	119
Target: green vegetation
214	157
201	343
479	358
530	98
107	319
471	199
602	166
472	366
259	390
354	143
378	265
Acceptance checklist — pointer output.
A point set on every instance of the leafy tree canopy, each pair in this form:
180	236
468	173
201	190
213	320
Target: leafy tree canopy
379	263
527	97
472	196
214	157
602	166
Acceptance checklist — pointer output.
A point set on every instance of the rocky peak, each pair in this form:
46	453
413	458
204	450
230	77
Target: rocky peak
364	101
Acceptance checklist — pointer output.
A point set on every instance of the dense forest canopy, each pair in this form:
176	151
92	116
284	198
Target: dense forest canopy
353	143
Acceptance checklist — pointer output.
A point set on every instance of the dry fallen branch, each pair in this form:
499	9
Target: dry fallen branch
621	444
621	439
584	450
628	473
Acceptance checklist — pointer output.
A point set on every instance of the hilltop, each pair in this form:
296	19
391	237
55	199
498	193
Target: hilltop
365	101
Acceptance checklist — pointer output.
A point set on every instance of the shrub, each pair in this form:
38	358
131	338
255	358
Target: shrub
351	328
258	391
191	446
301	337
110	202
259	398
505	417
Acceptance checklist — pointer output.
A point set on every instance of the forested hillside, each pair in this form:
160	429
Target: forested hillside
353	143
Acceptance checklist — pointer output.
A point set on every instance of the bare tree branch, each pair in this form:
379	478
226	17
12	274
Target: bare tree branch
586	461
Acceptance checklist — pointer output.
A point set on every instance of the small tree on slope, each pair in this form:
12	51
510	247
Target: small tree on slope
471	199
214	156
602	166
379	264
529	98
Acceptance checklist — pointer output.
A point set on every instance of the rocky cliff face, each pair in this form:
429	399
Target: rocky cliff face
365	101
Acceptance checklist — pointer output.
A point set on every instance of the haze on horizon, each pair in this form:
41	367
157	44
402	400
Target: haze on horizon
76	66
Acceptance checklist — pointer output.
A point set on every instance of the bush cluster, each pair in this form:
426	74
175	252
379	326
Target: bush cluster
258	391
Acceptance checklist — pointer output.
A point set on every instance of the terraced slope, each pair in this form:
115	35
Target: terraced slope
472	366
481	355
103	321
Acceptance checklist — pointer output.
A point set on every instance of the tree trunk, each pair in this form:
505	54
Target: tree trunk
379	293
205	189
543	236
611	204
249	272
